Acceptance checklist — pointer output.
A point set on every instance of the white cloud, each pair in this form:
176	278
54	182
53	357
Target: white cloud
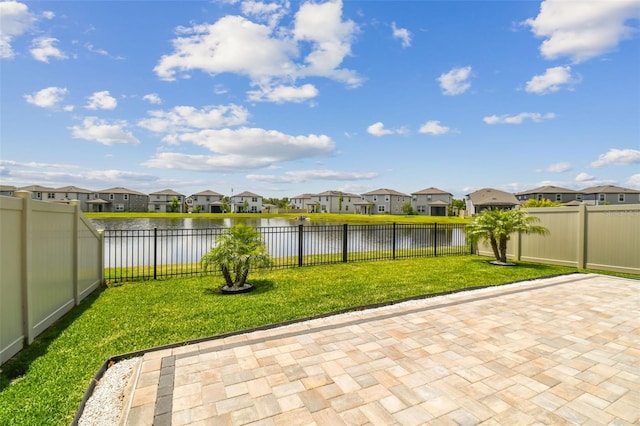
583	177
188	118
300	176
269	57
583	29
433	127
617	157
48	97
152	98
265	12
15	20
94	129
456	81
42	48
378	129
48	14
402	34
282	94
551	81
633	181
102	100
558	167
518	119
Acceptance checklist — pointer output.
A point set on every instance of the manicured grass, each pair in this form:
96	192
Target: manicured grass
45	383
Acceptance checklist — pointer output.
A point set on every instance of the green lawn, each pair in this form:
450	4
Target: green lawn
46	382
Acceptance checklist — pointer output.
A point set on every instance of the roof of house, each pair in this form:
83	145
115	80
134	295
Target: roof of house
336	194
385	191
7	188
73	189
36	188
208	192
492	197
120	190
548	189
247	194
432	190
167	192
303	196
609	189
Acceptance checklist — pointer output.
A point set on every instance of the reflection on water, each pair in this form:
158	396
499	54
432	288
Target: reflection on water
188	223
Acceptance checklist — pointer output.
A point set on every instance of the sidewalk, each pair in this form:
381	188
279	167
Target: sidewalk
564	350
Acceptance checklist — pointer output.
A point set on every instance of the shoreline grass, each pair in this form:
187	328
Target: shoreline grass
44	384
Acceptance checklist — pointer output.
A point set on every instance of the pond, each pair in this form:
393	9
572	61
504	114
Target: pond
190	223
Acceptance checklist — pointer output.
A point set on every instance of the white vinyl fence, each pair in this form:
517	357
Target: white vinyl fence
50	260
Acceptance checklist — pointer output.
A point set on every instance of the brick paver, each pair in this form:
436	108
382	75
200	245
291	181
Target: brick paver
564	350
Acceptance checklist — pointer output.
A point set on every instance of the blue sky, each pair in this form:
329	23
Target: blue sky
283	98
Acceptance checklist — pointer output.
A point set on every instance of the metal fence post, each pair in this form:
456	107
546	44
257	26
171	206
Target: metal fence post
393	242
155	253
435	239
345	244
300	243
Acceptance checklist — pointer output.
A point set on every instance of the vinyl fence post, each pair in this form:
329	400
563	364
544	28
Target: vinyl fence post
300	243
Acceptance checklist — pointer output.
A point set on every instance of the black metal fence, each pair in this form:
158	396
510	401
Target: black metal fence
132	255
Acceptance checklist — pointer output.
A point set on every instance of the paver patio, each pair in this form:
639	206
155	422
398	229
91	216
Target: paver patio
564	350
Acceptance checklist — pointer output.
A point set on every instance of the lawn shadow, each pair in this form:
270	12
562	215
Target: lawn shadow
261	287
20	363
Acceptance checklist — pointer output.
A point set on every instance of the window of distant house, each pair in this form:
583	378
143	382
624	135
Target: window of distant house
414	197
621	198
386	198
157	207
422	209
51	195
125	197
323	208
381	209
539	197
111	197
558	197
375	198
254	209
254	199
579	197
119	207
346	208
600	197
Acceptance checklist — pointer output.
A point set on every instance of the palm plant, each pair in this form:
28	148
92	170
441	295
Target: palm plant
495	227
236	251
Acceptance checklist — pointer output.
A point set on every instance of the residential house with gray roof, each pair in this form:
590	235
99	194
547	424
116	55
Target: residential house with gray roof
610	194
551	193
38	192
8	190
302	202
246	202
163	201
334	202
118	199
67	193
431	201
489	198
383	201
205	202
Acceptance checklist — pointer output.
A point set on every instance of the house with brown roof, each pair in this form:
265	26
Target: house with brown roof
38	192
67	193
382	201
246	202
551	193
118	199
489	198
610	194
301	202
205	202
8	190
431	201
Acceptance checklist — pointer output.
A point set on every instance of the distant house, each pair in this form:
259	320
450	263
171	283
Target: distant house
8	190
382	201
42	193
301	202
609	194
489	198
205	202
551	193
118	199
68	193
246	202
162	201
334	202
431	201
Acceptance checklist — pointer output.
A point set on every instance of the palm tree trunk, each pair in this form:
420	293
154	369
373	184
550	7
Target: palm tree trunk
494	247
503	249
226	275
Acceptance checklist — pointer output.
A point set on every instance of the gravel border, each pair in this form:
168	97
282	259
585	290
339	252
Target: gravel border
106	403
